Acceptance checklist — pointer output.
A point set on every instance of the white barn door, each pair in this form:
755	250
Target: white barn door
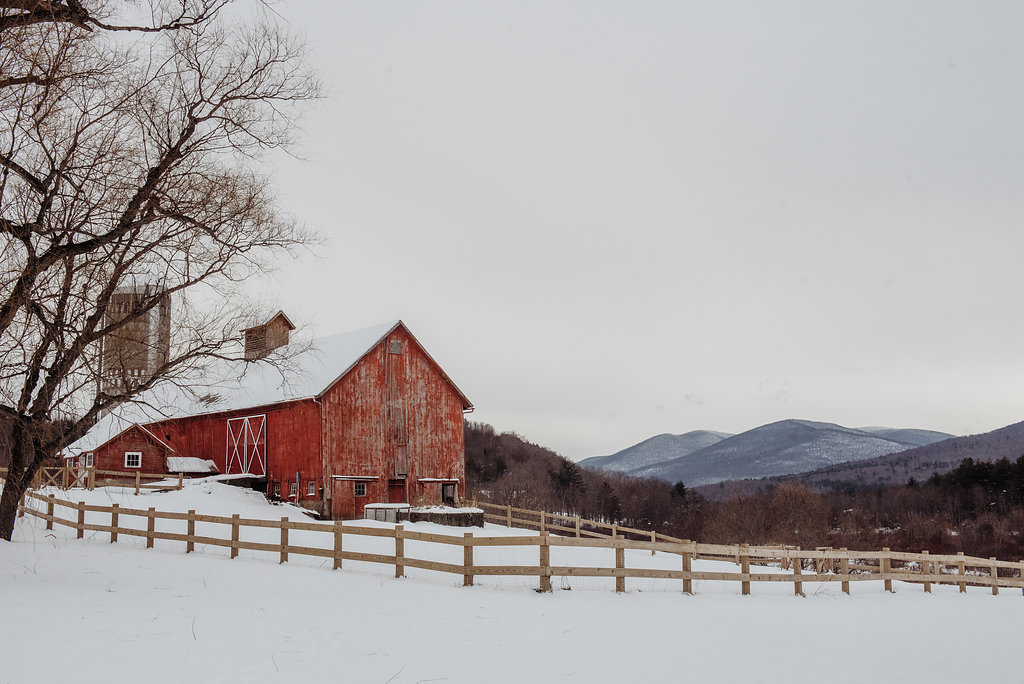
247	445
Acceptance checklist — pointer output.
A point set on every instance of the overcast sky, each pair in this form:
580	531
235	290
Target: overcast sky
609	220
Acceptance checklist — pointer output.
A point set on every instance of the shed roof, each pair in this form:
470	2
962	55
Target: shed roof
240	384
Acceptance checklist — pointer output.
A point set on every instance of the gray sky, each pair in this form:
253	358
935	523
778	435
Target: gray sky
609	220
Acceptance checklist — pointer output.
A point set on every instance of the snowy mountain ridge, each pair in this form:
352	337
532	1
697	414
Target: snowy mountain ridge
781	448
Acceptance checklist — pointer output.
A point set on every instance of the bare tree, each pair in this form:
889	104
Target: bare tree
129	163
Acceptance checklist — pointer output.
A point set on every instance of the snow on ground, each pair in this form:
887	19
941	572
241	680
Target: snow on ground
91	611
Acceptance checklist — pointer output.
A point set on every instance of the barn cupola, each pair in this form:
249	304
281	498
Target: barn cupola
262	339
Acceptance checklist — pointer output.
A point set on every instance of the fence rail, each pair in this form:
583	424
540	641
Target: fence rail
853	566
72	477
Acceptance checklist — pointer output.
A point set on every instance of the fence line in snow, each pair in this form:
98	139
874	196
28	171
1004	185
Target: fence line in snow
853	566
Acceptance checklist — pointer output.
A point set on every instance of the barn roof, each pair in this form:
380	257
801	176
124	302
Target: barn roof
309	374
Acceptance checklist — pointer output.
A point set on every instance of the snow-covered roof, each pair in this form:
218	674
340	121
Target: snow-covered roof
190	464
231	385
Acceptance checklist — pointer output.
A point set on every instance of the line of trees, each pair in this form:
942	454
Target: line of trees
977	508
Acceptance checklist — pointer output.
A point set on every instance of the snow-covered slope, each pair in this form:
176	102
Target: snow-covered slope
655	450
91	611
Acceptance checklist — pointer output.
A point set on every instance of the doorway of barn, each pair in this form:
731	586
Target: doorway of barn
448	493
396	491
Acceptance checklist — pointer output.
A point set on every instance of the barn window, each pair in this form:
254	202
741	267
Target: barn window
311	488
277	489
360	488
396	347
88	460
293	490
133	459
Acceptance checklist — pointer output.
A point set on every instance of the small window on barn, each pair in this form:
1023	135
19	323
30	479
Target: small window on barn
133	459
360	488
88	460
293	490
396	347
277	489
311	488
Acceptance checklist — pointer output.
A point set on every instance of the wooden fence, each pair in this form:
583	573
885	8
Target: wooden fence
70	477
826	565
582	527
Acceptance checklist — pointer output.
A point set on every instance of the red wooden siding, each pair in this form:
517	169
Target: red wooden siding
110	456
388	410
292	441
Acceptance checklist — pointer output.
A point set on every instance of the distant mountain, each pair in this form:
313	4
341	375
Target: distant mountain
908	435
919	463
782	448
655	450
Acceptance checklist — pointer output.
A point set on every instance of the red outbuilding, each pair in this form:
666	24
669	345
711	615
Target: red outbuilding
359	418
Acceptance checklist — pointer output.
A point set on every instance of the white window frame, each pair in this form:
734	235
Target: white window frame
138	456
357	486
293	490
277	489
311	488
88	460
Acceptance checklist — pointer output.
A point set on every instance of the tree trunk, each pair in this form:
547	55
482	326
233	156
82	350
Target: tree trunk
27	453
9	509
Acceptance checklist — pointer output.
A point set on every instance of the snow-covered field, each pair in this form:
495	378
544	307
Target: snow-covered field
91	611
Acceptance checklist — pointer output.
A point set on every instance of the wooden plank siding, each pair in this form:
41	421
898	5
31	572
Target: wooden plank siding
391	403
292	442
111	456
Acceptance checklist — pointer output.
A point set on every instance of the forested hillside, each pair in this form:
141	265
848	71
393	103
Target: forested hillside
977	508
506	469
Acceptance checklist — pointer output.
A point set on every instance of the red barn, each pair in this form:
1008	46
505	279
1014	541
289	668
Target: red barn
366	417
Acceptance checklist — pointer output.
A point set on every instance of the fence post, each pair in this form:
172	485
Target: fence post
844	569
113	522
81	519
962	570
234	535
745	568
545	563
995	576
21	506
150	526
886	567
615	530
64	476
926	569
190	532
49	512
284	540
399	550
138	481
687	557
577	527
654	540
467	559
181	481
543	521
337	544
798	568
620	564
508	516
90	478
